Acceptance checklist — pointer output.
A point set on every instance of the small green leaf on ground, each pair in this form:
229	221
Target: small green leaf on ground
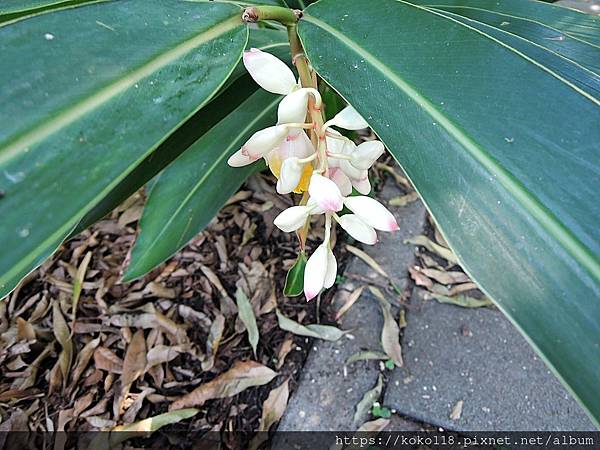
294	281
325	332
389	364
463	301
381	411
247	317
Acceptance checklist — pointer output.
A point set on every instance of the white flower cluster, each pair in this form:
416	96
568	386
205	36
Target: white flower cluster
327	171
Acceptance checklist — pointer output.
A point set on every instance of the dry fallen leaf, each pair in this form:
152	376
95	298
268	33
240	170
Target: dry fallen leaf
274	406
78	284
390	333
374	425
439	250
364	406
445	277
368	260
63	336
106	360
213	341
325	332
241	376
404	199
351	300
134	363
284	349
366	356
246	314
457	410
464	301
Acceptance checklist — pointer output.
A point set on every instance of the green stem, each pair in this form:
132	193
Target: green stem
285	16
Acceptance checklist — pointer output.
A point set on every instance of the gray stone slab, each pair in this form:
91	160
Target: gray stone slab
477	356
328	392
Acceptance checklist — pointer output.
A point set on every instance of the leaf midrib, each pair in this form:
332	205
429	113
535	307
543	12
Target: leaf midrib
202	180
176	53
526	199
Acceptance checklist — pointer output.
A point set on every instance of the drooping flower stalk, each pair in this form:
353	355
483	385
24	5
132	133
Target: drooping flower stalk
308	156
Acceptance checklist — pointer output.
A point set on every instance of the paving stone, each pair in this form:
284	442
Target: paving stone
327	393
454	354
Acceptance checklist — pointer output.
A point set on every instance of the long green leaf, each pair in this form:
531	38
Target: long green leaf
232	94
503	150
18	9
539	16
91	101
191	190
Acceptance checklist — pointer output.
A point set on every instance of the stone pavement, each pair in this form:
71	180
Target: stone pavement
451	354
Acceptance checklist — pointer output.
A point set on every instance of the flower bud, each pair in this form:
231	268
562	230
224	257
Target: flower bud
292	218
269	72
326	193
372	213
289	177
263	141
293	107
239	159
359	230
362	183
366	154
349	119
320	271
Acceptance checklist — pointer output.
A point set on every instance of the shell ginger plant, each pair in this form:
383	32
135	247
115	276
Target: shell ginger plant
323	167
490	107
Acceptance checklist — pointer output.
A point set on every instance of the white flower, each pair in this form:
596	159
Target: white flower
290	175
293	218
320	271
348	119
326	193
259	145
269	72
359	230
365	155
371	212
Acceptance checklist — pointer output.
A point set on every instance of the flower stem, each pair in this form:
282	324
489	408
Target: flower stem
308	80
285	16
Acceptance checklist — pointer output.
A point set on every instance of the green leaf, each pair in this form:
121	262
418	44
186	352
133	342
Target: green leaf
236	90
193	188
76	119
363	407
503	150
246	314
538	17
18	9
294	280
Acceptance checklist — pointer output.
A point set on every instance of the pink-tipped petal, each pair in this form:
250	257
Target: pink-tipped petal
372	213
331	272
269	72
315	271
358	229
297	144
326	193
292	218
293	107
349	119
